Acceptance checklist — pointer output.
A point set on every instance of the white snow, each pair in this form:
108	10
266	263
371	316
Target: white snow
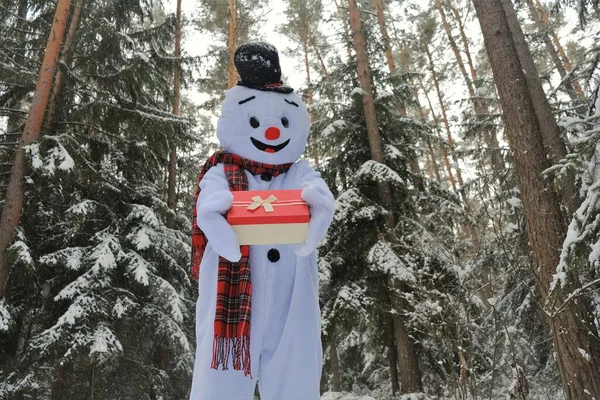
378	172
384	94
585	355
70	256
392	152
344	396
139	268
144	214
23	252
82	208
383	258
358	90
56	155
104	343
331	128
140	238
5	318
33	150
514	202
122	306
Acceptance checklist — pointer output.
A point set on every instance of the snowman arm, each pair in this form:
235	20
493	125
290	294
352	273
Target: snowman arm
321	205
212	205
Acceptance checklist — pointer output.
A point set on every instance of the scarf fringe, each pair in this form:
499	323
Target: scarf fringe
238	347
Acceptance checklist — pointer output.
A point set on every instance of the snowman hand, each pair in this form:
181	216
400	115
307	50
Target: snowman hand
321	204
210	211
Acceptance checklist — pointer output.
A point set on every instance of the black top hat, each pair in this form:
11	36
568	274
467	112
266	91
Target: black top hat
258	67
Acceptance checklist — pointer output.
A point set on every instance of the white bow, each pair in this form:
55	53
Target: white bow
257	201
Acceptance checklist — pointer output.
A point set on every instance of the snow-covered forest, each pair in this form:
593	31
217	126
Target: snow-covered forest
460	139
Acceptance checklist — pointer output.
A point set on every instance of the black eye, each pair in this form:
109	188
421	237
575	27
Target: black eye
254	122
285	122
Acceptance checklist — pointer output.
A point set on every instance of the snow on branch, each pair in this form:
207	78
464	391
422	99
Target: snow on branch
383	258
377	172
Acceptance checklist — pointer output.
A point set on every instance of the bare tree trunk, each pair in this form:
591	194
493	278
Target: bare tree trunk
392	355
232	42
572	325
553	142
410	374
336	378
172	182
342	15
386	37
319	57
454	47
481	109
66	59
540	17
309	93
559	47
434	170
13	205
465	42
444	116
413	163
437	130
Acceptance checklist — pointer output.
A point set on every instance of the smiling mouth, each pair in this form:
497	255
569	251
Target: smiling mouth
266	148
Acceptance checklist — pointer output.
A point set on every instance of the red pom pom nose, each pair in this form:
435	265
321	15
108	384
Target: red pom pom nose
272	133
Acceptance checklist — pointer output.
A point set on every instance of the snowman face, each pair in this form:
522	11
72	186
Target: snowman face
267	127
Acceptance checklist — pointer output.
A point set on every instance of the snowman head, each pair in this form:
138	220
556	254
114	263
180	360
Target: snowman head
261	120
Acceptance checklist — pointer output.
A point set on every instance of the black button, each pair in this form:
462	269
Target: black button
273	255
266	176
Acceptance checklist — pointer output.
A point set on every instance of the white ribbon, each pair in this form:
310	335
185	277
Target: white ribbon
257	202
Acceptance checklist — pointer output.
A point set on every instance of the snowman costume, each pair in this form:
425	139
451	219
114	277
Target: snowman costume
267	123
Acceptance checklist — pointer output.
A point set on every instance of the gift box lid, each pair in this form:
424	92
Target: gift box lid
253	207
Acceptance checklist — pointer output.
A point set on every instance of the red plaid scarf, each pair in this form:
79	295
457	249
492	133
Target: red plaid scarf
234	287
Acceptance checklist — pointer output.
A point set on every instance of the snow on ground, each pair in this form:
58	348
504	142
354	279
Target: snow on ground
355	396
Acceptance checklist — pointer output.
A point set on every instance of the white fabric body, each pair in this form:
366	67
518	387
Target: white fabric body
285	338
285	341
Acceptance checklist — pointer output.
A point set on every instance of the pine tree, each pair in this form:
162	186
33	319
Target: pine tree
358	301
99	301
546	231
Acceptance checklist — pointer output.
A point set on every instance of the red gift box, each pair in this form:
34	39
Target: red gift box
269	217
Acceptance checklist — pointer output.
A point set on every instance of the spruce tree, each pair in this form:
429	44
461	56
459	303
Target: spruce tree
358	253
99	301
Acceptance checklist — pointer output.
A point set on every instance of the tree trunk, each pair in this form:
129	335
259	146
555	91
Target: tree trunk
336	378
386	37
319	57
434	170
392	355
437	130
457	56
465	42
559	47
553	143
444	116
573	327
410	374
66	60
172	193
539	16
413	163
13	205
309	91
342	15
232	42
481	109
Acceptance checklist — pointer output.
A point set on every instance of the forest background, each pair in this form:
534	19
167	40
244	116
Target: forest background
460	139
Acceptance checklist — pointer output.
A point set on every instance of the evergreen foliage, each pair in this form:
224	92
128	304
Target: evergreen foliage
99	301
